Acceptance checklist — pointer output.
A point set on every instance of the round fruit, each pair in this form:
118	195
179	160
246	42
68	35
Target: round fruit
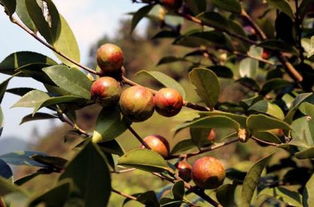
266	54
184	170
158	144
110	58
106	90
168	102
211	135
208	173
137	103
172	4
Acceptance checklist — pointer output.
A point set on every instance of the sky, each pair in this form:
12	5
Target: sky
89	20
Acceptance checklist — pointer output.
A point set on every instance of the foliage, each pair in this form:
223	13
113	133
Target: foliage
270	55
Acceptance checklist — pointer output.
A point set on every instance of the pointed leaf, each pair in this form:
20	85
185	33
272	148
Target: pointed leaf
94	175
140	14
251	180
66	43
308	193
22	13
182	146
262	122
9	5
3	87
165	80
268	108
207	85
281	5
145	160
32	99
37	116
70	79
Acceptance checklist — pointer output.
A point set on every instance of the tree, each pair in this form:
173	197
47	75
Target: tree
264	46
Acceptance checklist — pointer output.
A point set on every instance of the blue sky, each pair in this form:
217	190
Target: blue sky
89	20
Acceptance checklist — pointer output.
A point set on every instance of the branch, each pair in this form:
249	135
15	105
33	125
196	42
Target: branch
13	20
257	29
138	137
124	194
265	142
211	148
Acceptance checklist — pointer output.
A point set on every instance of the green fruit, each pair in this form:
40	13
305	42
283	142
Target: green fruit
106	91
136	103
110	58
208	173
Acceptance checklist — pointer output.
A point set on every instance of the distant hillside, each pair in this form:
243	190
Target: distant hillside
11	144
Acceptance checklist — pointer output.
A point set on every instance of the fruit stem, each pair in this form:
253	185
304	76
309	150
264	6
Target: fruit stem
138	137
14	21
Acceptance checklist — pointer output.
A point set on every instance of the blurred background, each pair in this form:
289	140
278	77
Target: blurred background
95	22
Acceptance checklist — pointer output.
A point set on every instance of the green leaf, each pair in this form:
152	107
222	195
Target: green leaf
249	83
200	136
241	119
221	71
290	197
32	99
308	193
305	6
22	13
37	116
110	124
211	122
262	122
70	79
228	5
278	45
303	130
170	59
281	5
9	5
20	91
140	14
6	187
165	34
51	161
305	154
266	107
66	43
144	159
268	137
226	195
178	190
14	61
182	146
5	170
49	28
3	87
295	105
112	147
196	6
165	80
248	68
93	175
214	19
148	198
251	180
58	100
207	85
55	197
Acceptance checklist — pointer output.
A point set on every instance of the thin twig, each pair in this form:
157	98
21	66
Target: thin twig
123	171
211	148
124	194
138	137
13	20
265	142
258	30
253	57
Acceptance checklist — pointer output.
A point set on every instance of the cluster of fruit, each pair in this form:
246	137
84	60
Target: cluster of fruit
138	103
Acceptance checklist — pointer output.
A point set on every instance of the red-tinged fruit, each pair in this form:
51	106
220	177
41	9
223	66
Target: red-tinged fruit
172	4
168	102
158	144
184	170
277	132
208	173
106	91
266	54
137	103
110	58
211	135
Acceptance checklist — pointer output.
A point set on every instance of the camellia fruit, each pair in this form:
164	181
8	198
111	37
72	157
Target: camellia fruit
168	102
211	135
208	172
172	4
106	91
137	103
184	170
110	58
158	144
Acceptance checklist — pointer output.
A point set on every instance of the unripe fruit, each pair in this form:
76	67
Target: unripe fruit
158	144
208	173
172	4
168	102
211	135
137	103
110	58
106	91
184	170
